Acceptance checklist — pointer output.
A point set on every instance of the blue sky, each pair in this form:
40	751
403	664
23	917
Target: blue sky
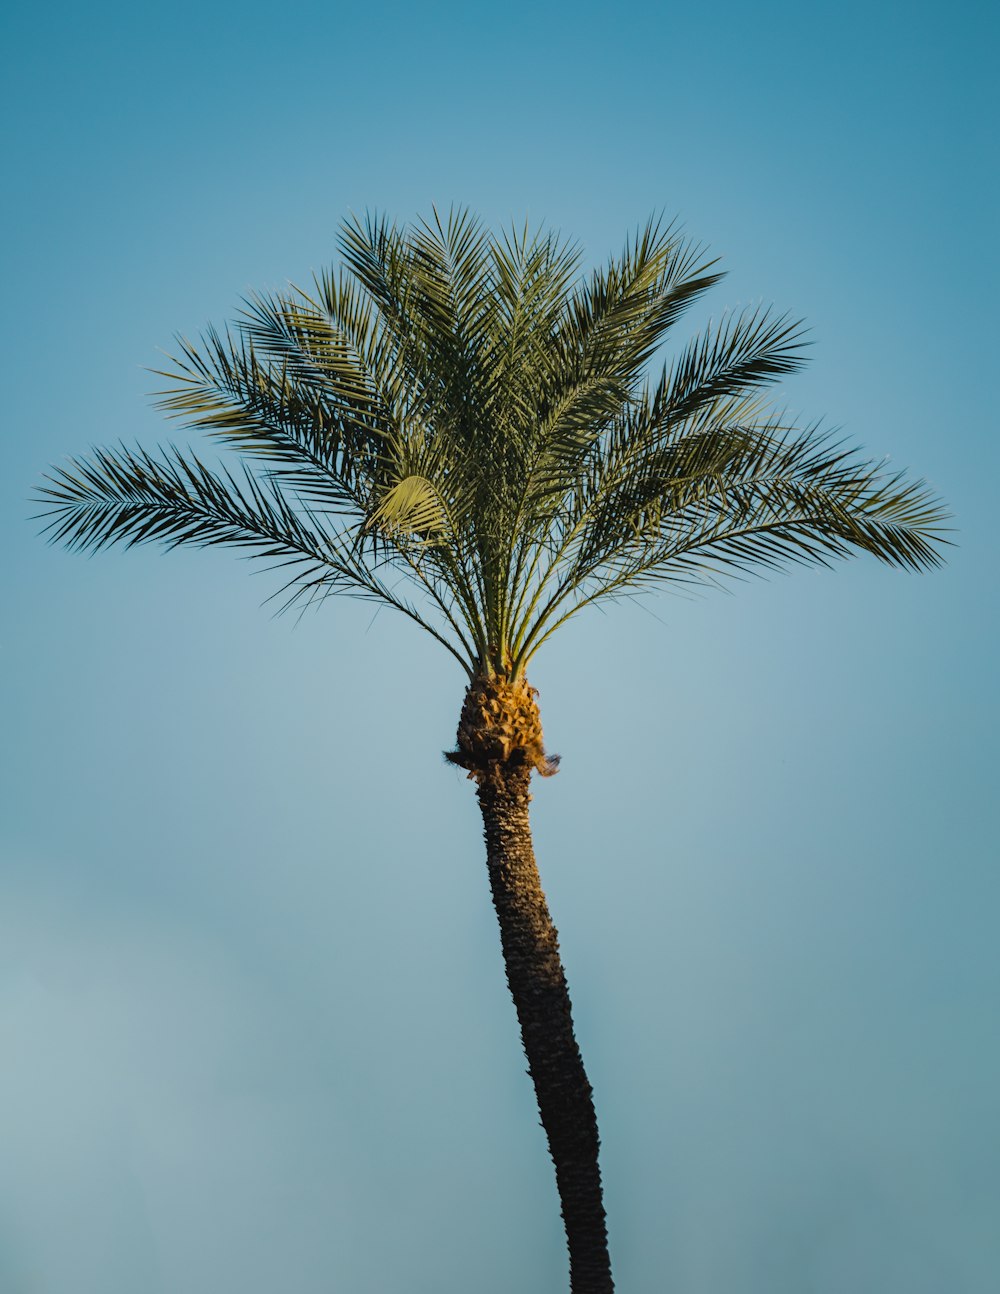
256	1033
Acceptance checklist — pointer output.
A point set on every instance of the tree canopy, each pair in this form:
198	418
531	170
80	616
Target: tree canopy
465	426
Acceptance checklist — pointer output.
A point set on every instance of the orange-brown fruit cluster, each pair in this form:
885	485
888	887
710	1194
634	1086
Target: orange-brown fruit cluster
500	724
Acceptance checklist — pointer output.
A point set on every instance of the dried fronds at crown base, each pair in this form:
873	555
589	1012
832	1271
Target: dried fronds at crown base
501	725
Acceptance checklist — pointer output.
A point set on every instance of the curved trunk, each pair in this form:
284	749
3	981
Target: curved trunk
538	986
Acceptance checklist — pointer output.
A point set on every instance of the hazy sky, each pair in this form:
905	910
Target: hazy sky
255	1031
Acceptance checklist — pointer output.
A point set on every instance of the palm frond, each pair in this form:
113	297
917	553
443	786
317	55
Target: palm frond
128	497
734	500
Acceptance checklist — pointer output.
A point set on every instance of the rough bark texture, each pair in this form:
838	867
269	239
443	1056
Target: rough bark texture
499	743
538	986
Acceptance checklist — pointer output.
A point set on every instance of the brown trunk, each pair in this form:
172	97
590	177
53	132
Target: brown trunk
538	986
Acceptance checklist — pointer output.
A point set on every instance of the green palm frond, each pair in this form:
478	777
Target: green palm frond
129	497
732	501
463	412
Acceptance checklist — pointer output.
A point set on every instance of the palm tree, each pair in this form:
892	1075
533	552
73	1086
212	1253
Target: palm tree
462	426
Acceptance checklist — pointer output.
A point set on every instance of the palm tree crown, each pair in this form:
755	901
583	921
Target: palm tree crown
470	412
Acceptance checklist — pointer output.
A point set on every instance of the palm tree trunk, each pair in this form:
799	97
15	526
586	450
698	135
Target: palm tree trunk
538	986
